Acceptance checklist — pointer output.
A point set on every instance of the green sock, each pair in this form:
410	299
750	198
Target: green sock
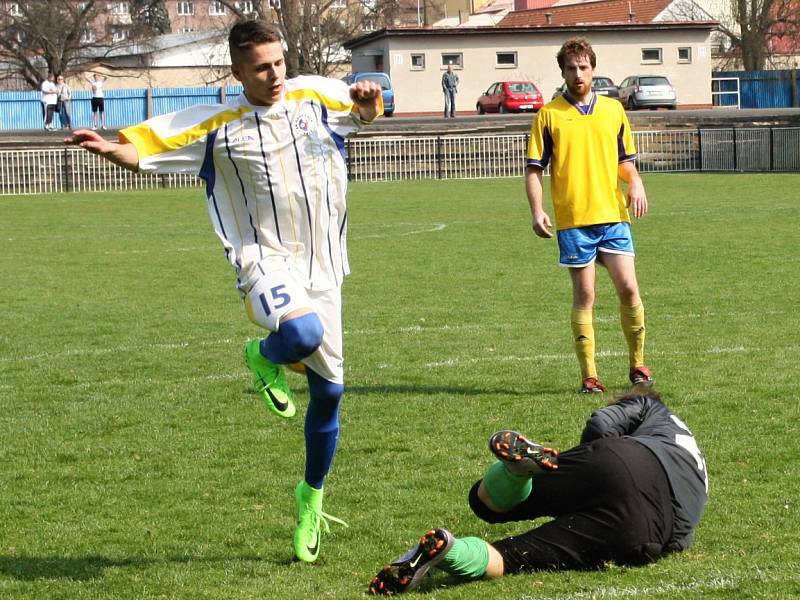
506	489
468	558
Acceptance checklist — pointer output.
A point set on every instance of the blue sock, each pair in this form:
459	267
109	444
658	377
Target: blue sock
322	427
295	340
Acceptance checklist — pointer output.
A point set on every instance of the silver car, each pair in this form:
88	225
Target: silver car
647	91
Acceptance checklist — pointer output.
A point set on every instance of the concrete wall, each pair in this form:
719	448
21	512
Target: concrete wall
618	56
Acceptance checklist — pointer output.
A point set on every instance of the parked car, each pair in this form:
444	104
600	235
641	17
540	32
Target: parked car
600	85
510	96
647	91
381	79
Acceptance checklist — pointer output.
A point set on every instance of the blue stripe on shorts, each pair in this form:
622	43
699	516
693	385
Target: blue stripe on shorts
579	246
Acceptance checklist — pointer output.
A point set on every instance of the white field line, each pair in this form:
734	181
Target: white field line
411	329
393	230
446	363
677	590
453	361
421	228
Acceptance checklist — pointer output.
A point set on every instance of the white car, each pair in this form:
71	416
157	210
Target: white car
647	91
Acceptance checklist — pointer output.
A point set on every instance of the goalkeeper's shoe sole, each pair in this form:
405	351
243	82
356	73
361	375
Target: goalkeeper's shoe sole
522	456
405	573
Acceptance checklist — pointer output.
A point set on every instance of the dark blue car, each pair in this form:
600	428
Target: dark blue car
381	79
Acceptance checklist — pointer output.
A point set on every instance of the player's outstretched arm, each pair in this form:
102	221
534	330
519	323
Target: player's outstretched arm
367	97
637	198
533	187
123	155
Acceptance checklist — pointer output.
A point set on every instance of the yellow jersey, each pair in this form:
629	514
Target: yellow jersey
584	146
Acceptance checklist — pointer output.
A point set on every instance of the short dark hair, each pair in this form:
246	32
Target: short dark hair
576	46
246	34
640	390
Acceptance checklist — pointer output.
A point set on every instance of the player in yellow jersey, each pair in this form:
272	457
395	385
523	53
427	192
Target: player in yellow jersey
273	160
586	139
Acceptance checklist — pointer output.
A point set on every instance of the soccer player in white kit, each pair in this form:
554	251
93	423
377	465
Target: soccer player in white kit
273	160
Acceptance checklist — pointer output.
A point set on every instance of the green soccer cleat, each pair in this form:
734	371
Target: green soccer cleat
307	533
270	381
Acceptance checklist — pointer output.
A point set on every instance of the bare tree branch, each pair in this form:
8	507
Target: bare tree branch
64	36
315	30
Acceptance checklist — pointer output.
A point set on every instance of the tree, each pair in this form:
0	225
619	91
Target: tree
150	17
314	30
64	36
755	26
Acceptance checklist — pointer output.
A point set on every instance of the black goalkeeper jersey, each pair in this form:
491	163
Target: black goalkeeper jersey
650	423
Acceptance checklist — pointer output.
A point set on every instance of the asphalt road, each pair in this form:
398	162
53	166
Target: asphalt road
492	124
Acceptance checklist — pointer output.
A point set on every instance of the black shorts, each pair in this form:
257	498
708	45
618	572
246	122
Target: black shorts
610	501
98	104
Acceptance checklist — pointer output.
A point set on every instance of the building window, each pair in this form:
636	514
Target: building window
506	60
216	9
120	8
369	24
651	56
684	55
453	58
339	4
14	9
186	30
119	34
417	62
185	8
88	36
245	7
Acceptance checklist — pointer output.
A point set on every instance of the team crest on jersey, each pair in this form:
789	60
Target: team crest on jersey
305	123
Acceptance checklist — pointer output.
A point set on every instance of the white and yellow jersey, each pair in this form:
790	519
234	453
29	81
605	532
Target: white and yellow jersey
276	176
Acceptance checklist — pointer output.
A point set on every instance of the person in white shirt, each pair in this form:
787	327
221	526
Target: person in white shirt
273	160
97	82
49	99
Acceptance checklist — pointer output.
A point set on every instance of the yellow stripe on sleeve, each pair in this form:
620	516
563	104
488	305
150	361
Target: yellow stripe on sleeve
150	143
329	103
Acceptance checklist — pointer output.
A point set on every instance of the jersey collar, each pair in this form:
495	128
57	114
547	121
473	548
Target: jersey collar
584	109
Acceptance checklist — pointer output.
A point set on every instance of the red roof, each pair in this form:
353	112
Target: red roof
601	11
785	37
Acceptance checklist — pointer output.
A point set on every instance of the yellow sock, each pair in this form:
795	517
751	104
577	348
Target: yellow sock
583	334
632	320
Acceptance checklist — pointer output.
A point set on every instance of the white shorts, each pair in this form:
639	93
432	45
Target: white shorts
277	292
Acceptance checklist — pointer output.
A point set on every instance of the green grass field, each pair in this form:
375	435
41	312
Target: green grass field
138	464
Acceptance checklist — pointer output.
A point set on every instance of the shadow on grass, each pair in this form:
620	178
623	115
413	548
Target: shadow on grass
85	568
421	390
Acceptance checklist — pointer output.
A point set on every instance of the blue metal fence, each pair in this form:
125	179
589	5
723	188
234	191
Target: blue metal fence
762	89
167	100
123	107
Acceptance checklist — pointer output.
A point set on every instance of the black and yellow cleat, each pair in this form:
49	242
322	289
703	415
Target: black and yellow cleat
406	572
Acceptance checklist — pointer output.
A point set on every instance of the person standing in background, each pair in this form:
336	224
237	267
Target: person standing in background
49	99
64	102
97	82
586	140
450	89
